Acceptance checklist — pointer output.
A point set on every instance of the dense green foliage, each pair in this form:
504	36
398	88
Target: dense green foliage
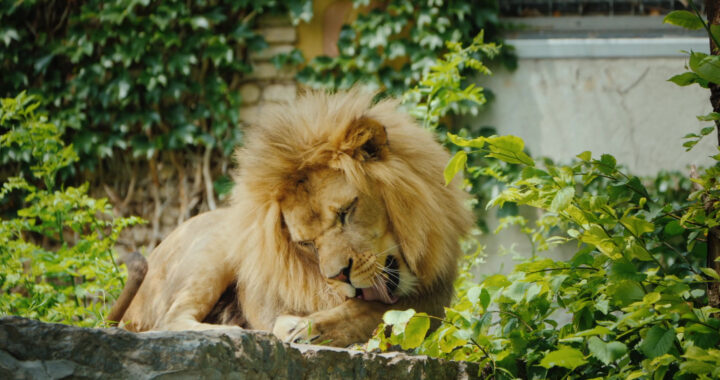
57	252
139	75
395	43
631	303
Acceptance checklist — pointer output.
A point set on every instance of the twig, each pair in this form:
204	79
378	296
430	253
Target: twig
182	184
209	191
155	190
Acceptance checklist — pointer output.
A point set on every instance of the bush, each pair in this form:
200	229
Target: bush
633	302
57	250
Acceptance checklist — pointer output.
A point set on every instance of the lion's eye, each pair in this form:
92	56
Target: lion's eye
346	211
308	244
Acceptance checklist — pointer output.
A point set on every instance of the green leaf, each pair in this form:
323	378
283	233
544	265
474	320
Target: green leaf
636	251
585	156
657	342
496	281
507	143
606	352
625	292
685	19
712	116
562	199
715	31
686	78
516	291
637	226
509	149
623	270
566	357
706	66
477	142
707	130
485	299
398	320
597	330
473	294
456	164
596	236
398	317
449	340
607	164
710	272
673	228
415	331
697	367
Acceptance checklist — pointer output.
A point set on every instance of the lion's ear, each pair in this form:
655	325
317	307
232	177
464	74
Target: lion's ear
365	140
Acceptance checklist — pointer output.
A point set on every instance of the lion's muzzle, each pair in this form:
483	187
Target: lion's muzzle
382	281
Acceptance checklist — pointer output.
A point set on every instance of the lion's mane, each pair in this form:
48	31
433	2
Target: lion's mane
310	133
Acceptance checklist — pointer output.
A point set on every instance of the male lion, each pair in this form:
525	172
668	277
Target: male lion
339	214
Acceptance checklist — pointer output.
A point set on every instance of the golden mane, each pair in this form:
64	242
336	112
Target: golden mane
310	133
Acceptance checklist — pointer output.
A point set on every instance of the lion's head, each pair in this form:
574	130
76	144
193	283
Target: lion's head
355	192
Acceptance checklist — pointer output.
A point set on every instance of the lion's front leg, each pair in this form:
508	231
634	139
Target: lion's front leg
351	322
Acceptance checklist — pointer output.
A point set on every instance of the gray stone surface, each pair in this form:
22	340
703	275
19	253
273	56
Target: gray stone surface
34	350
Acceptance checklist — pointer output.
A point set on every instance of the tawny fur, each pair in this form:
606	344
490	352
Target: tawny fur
376	149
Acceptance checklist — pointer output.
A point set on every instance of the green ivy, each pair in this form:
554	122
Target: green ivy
57	251
395	42
134	75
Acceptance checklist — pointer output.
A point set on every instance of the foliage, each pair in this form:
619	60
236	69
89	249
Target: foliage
631	303
443	92
139	75
393	44
57	252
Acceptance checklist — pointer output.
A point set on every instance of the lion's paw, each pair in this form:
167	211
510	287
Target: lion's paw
294	329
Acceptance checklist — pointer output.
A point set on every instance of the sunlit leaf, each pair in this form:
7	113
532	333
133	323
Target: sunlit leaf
685	19
455	165
566	357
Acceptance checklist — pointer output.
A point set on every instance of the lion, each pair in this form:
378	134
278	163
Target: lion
339	213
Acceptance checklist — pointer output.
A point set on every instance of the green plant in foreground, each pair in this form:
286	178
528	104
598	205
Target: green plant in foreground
57	251
631	303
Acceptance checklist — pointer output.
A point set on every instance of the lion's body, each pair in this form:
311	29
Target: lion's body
333	197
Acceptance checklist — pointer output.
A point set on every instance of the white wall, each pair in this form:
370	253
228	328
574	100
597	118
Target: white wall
622	106
625	107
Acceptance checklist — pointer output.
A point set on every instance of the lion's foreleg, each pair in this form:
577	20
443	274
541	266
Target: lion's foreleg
351	322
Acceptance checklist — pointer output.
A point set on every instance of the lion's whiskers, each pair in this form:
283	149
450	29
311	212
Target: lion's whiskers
385	251
382	289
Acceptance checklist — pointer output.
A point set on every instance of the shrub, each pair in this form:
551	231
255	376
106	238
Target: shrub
57	250
634	300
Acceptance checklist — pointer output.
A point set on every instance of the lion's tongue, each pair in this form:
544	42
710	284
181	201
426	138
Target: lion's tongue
374	294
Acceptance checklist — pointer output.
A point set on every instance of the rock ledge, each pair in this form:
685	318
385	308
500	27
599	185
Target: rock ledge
35	350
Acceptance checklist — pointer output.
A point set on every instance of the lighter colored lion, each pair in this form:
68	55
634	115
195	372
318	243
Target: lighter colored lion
339	213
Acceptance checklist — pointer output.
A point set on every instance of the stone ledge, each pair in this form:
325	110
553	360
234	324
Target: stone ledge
35	350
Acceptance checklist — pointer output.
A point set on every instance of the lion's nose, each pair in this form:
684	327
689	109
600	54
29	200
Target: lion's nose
344	274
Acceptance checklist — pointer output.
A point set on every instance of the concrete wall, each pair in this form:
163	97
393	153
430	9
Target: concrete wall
622	106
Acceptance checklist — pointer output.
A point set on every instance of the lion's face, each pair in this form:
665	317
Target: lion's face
347	233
